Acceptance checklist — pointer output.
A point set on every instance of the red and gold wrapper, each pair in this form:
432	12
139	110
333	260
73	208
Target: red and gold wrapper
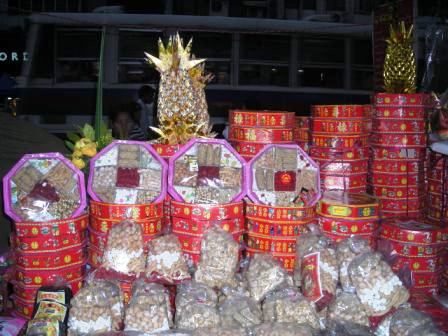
51	260
149	226
303	122
340	237
404	113
287	260
44	277
398	125
411	250
395	166
401	99
345	154
52	228
126	289
398	139
341	126
341	111
398	192
398	179
414	232
339	141
342	167
248	118
247	149
399	153
126	211
337	204
267	212
348	227
425	279
192	243
276	228
195	227
99	239
403	204
28	293
343	182
207	211
166	151
417	264
262	243
261	135
47	244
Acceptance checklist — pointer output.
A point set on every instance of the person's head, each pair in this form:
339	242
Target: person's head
146	93
122	120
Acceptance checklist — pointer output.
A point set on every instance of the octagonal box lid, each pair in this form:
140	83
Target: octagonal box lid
283	175
127	172
207	171
43	187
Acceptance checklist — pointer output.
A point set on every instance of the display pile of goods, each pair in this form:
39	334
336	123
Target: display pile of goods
250	130
437	210
343	215
417	250
340	136
283	184
302	132
44	195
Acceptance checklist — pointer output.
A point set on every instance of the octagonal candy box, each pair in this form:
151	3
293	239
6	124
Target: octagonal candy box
127	172
207	171
43	187
283	175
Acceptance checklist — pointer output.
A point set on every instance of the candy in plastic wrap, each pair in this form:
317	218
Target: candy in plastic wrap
283	329
240	311
346	307
43	327
219	259
264	275
377	287
165	260
317	264
289	305
124	250
220	331
404	321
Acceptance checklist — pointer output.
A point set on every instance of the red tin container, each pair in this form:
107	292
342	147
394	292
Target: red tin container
192	243
416	264
414	214
302	134
396	166
341	126
342	167
399	153
341	111
247	149
415	232
435	200
343	182
339	237
149	226
345	154
51	260
303	122
275	228
28	293
425	279
23	308
405	113
52	228
195	227
166	151
126	211
398	192
94	256
48	244
398	139
398	179
339	141
348	227
262	243
338	204
386	125
401	99
261	135
248	118
43	277
207	211
287	260
434	186
264	212
402	204
436	213
411	250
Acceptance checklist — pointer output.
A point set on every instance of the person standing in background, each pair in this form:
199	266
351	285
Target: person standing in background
145	103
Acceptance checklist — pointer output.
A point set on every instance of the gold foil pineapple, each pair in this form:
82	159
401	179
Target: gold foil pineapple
399	64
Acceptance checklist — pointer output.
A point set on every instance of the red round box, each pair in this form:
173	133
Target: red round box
342	167
302	134
251	118
287	260
28	293
416	264
192	243
94	256
149	226
33	277
207	211
341	111
263	212
337	204
48	244
406	113
425	279
126	211
403	204
166	151
275	228
387	125
436	213
343	182
398	140
52	228
51	260
397	179
23	308
341	126
303	122
434	186
415	232
414	251
347	154
247	149
398	192
261	135
350	227
339	237
197	227
399	153
271	244
397	166
435	200
339	141
414	214
401	99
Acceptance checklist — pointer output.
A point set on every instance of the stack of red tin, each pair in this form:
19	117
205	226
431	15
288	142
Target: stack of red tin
416	250
250	131
398	143
302	133
339	145
342	215
436	210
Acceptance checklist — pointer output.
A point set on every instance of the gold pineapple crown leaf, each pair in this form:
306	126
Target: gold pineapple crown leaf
400	73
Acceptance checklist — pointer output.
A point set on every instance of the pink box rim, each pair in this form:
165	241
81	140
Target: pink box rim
149	148
50	155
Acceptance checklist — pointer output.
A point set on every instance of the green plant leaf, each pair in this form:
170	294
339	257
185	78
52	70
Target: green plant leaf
103	129
73	137
69	145
88	132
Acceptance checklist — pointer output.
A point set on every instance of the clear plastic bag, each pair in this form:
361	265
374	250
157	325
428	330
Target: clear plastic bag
317	265
283	329
42	326
240	311
345	328
403	321
264	275
219	259
377	287
220	331
346	251
165	260
124	249
289	305
346	308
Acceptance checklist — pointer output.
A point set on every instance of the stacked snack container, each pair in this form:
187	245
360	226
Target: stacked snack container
302	132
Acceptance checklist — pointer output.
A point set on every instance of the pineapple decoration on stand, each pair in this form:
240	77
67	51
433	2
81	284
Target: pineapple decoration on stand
399	64
182	108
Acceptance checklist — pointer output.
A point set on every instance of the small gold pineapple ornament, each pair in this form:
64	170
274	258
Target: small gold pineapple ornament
400	71
182	109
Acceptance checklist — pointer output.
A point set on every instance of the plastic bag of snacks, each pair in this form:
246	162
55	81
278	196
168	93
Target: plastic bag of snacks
426	330
317	264
403	321
165	260
289	305
283	329
11	326
345	328
347	250
219	259
43	326
240	311
239	289
264	275
346	308
149	310
196	306
220	331
124	249
377	287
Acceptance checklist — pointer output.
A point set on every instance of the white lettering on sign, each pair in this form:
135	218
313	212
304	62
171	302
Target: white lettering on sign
3	56
13	56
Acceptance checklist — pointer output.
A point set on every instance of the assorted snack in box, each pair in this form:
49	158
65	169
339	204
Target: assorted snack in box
127	172
43	187
206	171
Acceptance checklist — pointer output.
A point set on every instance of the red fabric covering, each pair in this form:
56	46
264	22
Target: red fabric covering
128	178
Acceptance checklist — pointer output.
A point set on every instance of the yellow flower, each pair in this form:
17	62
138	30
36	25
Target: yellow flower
81	143
77	153
89	150
78	162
